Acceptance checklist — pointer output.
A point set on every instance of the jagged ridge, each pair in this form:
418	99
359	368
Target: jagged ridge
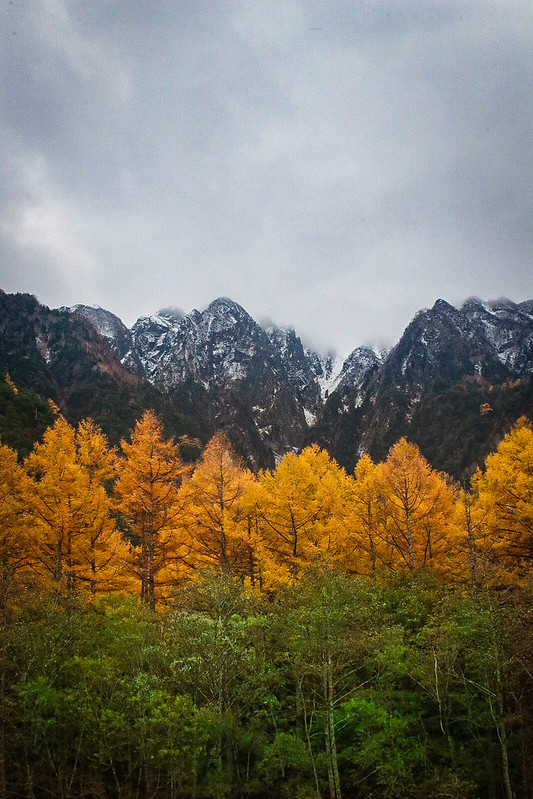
271	394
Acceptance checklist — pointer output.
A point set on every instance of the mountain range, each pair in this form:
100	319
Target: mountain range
454	383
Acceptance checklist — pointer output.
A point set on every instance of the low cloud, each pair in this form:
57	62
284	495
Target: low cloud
333	166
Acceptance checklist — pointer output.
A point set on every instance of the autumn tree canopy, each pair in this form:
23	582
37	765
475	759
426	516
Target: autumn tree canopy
504	504
15	549
417	504
81	517
364	551
146	494
73	537
300	508
216	521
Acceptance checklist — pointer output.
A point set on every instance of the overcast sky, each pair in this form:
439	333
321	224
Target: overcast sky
334	166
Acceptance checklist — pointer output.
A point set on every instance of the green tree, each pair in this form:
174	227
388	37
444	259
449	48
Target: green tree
221	661
328	624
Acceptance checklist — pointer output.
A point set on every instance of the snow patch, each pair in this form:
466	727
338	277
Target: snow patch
331	375
42	346
310	418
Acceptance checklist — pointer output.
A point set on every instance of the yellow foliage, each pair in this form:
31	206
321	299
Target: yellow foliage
365	530
56	520
74	541
503	507
147	496
301	513
53	407
14	534
11	385
417	510
219	532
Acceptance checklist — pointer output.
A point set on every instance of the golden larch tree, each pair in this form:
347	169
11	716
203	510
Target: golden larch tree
216	522
417	504
469	562
102	551
15	550
301	509
365	530
74	539
503	506
55	503
146	494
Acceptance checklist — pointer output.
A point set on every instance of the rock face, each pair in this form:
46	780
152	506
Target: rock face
113	329
260	386
454	383
60	355
436	386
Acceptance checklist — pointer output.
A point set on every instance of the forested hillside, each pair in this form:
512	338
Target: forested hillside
455	383
51	354
171	630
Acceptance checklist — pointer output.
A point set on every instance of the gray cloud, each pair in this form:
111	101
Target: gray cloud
335	166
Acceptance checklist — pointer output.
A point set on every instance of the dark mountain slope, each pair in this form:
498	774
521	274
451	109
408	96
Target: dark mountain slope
224	363
454	384
60	356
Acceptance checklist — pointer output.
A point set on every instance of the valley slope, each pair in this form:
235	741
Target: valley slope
454	383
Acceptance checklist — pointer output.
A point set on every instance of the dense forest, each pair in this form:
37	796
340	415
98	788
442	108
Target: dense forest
197	630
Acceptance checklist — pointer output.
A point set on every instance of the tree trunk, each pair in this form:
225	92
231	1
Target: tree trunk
471	547
409	539
331	741
3	786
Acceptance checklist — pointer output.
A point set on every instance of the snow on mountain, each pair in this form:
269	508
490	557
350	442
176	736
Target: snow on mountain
271	394
507	329
114	331
213	347
357	366
303	368
247	383
327	370
448	362
105	322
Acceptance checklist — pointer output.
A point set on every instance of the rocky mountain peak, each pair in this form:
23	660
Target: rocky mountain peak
358	371
174	315
270	393
106	323
441	306
227	317
302	368
473	304
359	362
448	363
112	328
227	308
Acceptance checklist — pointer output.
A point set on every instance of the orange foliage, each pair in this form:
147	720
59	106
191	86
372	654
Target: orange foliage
365	530
503	508
74	541
417	510
56	519
215	521
146	494
14	533
301	512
